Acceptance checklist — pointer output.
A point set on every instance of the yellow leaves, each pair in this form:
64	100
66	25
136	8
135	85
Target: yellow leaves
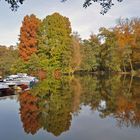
126	33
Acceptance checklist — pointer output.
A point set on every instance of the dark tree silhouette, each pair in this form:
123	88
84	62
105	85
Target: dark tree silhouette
14	4
105	4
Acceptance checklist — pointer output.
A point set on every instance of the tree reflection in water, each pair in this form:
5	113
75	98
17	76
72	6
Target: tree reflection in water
51	110
29	112
52	102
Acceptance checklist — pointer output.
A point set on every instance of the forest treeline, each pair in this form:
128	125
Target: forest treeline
48	46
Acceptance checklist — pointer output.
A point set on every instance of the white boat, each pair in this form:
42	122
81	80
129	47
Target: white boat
3	86
20	79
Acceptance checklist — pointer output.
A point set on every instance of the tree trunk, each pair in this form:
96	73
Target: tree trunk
130	63
124	66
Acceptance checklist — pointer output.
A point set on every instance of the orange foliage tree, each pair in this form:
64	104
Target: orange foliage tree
28	36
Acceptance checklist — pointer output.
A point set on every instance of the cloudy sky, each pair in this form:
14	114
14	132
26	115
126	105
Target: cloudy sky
85	21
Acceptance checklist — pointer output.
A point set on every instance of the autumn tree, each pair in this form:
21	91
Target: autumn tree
125	40
135	25
76	52
28	36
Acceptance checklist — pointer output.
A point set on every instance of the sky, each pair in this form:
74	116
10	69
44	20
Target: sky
84	21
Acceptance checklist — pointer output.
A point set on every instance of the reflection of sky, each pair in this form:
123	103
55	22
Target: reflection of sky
103	104
9	118
83	20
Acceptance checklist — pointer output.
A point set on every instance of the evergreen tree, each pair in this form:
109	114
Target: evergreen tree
54	39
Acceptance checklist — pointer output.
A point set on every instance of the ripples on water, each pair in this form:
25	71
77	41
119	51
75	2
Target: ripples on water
74	108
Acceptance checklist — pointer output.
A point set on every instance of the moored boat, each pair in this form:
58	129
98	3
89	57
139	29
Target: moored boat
3	86
20	79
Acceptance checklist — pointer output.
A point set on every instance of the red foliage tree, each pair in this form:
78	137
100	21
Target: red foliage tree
28	36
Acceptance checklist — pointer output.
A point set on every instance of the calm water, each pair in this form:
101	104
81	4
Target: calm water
74	108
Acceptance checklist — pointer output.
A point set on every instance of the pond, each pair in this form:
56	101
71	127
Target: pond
74	108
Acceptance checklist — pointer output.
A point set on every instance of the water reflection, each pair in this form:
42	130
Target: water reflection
52	103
